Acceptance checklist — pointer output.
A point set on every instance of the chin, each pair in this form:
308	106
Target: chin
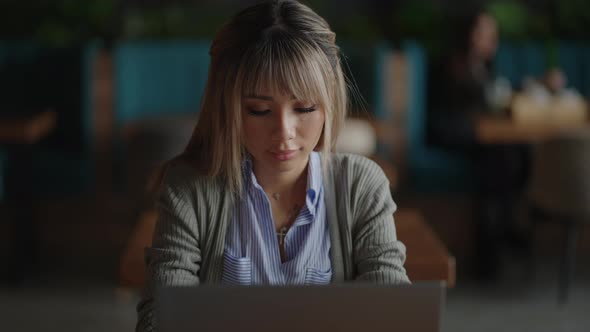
287	165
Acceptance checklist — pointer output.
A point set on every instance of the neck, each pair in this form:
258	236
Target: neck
283	183
476	59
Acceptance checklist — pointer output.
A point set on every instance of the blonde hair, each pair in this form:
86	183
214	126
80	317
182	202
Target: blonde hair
280	45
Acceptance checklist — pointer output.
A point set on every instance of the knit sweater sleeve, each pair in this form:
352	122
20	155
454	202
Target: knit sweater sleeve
175	256
377	254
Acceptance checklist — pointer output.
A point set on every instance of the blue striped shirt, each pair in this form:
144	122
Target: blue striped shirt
252	254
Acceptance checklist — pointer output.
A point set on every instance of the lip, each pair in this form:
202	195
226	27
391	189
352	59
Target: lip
283	155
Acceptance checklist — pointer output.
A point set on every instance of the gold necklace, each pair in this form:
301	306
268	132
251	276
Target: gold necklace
277	196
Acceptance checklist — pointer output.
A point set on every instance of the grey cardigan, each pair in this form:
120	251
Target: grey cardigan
194	210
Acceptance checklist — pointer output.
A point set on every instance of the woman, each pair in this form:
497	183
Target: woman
257	197
457	97
458	81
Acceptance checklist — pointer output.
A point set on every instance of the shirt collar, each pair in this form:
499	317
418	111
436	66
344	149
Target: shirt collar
248	173
314	179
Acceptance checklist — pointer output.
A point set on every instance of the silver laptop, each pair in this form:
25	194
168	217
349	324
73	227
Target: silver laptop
341	308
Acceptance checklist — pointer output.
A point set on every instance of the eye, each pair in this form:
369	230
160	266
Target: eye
254	112
306	109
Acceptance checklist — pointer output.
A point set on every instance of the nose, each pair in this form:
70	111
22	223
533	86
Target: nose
285	127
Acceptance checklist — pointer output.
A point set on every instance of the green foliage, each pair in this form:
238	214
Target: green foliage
64	22
420	20
564	19
67	22
172	21
71	21
540	27
513	19
551	54
356	27
573	18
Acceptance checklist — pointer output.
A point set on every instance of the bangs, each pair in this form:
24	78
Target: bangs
288	65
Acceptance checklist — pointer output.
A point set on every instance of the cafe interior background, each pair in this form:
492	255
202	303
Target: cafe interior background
96	94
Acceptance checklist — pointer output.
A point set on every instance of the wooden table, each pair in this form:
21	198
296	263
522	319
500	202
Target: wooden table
27	129
504	130
427	257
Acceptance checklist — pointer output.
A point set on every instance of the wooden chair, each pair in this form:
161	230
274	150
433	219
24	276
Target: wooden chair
560	191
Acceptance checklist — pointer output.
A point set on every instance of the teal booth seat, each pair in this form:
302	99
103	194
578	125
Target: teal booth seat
570	59
574	59
431	169
156	84
531	59
154	78
518	61
34	78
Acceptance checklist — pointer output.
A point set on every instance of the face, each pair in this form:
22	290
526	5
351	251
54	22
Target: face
280	131
484	38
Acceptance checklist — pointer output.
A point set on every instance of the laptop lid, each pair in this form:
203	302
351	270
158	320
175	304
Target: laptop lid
338	307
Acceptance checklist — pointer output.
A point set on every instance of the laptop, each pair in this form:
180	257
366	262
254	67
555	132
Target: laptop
337	307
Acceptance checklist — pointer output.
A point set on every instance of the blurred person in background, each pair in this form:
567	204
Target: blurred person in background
458	90
258	197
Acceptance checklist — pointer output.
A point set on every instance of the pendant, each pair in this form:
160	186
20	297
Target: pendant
282	235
